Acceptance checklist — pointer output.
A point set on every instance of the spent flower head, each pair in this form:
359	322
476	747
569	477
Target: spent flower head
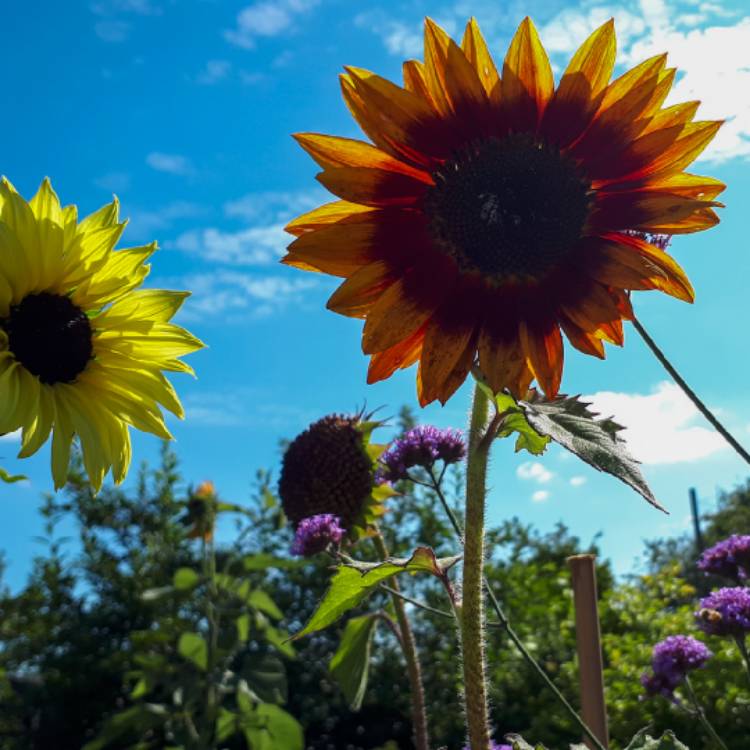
423	446
725	612
729	558
314	534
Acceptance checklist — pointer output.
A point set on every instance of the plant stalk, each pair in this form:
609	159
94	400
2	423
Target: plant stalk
472	618
504	623
409	648
689	392
701	714
742	646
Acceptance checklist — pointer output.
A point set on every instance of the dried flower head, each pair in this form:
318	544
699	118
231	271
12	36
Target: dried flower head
725	612
421	446
314	534
327	470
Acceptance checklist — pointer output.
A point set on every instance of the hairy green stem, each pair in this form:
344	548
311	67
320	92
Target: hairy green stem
409	648
689	392
472	604
504	623
701	714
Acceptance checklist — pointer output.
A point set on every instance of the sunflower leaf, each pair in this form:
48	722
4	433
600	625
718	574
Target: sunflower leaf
350	664
570	423
354	580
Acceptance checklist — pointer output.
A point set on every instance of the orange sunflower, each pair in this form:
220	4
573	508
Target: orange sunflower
494	211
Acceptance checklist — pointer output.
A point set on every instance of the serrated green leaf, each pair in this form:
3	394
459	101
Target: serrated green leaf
193	647
644	741
10	478
269	727
185	578
350	664
355	580
266	677
571	424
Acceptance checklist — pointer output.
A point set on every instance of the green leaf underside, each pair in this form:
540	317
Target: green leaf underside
570	423
192	647
354	580
350	664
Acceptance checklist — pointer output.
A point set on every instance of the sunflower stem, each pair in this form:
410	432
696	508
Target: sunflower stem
472	618
409	648
504	623
689	392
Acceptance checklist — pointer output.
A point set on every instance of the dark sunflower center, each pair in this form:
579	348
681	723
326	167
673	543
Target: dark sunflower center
50	336
508	206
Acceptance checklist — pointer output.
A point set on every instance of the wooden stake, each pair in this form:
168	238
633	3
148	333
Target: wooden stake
588	640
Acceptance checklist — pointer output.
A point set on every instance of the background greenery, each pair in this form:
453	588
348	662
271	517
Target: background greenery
77	639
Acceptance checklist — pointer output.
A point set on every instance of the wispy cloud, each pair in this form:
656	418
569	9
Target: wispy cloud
660	425
115	182
213	72
256	246
577	481
540	496
271	206
534	471
238	294
176	164
112	26
266	18
144	223
112	30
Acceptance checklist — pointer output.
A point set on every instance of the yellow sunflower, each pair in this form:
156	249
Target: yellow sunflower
494	210
81	348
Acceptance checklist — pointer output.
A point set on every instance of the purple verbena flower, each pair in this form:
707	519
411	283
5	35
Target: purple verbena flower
671	660
421	446
729	558
315	533
725	612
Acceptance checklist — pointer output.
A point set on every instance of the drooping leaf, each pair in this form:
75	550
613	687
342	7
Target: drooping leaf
644	741
571	424
193	647
350	664
10	478
355	580
185	579
266	677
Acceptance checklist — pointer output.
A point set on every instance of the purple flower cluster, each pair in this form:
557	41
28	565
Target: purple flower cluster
315	533
671	660
421	446
729	558
725	612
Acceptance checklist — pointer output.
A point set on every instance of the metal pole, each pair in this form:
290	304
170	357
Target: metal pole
696	519
588	641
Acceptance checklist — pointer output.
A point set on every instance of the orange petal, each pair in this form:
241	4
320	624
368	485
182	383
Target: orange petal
452	79
477	53
542	344
594	311
334	151
374	187
693	139
330	213
403	308
684	183
628	262
582	87
404	354
528	83
456	377
415	79
361	290
677	114
503	363
584	341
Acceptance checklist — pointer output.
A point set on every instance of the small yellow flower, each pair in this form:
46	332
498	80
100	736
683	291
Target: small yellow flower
82	349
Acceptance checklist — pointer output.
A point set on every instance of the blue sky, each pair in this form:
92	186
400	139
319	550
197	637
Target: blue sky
184	109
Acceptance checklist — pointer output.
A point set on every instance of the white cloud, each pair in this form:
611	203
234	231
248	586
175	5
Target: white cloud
111	27
540	496
577	481
660	427
213	72
176	164
267	18
225	292
256	246
535	471
270	207
145	222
